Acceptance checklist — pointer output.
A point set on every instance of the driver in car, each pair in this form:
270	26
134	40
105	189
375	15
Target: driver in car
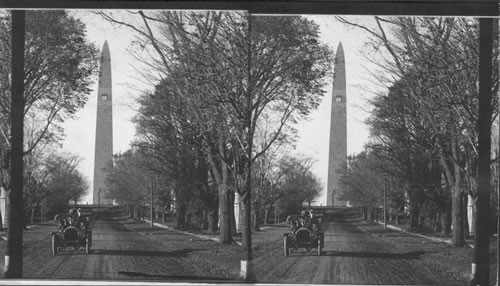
306	219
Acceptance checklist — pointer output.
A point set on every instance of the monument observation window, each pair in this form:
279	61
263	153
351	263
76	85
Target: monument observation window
338	98
104	96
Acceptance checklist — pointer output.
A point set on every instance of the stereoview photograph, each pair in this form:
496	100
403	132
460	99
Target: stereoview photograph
226	147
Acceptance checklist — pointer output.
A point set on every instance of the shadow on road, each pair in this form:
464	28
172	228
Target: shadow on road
149	229
407	255
171	277
175	253
379	255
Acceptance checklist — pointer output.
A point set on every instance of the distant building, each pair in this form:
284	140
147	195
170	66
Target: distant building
104	130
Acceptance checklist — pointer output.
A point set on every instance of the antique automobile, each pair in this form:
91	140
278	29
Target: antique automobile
305	233
74	231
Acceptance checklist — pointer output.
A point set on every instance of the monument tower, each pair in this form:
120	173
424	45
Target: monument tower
337	155
104	129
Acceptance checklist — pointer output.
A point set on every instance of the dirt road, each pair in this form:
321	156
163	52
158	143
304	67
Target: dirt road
354	253
119	253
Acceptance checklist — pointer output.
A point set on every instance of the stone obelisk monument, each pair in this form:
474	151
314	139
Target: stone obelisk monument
104	130
337	155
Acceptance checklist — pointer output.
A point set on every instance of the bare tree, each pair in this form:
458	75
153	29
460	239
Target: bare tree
436	61
232	74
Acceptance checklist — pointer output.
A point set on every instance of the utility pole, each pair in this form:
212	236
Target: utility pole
151	206
385	203
481	261
14	252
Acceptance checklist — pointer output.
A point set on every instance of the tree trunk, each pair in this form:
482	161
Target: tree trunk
414	214
204	219
256	220
420	223
32	219
187	222
246	219
457	238
1	218
180	214
275	215
7	210
212	221
241	215
445	222
266	215
230	211
224	222
438	222
253	220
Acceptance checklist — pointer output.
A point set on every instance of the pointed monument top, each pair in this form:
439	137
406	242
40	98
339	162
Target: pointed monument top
340	53
105	50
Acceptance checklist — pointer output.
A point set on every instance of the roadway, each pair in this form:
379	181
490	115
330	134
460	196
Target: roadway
127	250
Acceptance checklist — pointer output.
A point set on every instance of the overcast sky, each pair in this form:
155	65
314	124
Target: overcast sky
313	134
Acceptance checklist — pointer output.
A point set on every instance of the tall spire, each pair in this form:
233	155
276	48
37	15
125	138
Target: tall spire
104	130
337	155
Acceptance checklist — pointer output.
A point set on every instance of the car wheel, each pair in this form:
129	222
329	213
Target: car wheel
54	244
286	248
